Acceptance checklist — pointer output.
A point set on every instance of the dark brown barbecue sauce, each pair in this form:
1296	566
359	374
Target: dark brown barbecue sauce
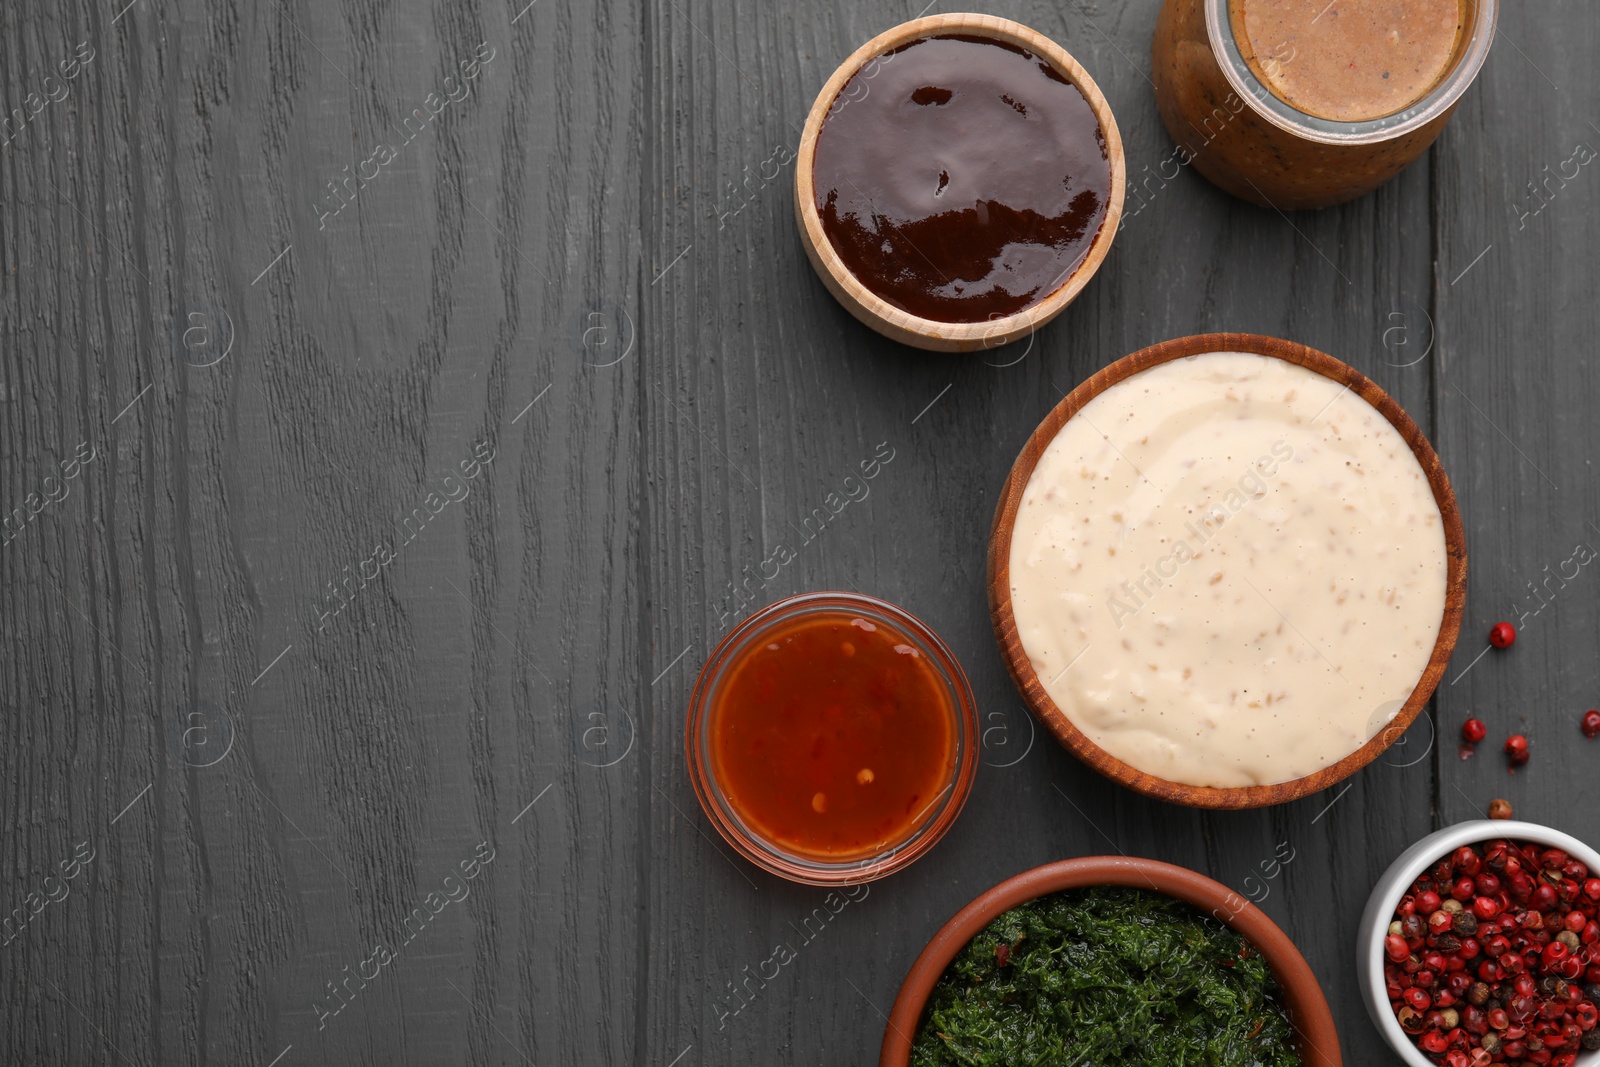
961	178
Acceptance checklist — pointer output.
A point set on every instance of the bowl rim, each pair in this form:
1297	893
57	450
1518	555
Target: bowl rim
1392	885
1027	680
1302	993
872	309
1470	56
935	823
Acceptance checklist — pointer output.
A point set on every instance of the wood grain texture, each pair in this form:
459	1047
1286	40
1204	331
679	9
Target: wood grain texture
1515	390
247	545
1059	723
587	230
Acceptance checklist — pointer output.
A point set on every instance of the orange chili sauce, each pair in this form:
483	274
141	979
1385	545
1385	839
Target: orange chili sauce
833	736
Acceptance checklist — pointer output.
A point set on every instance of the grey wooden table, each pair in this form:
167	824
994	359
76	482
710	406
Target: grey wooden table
398	401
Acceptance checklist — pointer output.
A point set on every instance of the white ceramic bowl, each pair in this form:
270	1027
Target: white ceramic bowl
1392	885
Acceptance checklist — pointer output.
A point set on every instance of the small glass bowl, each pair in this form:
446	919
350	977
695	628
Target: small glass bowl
745	839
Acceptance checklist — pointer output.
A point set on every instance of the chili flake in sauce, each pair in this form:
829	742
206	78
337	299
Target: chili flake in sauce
833	736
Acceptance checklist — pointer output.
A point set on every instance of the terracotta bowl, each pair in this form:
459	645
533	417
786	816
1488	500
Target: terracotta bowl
1302	995
1046	709
872	309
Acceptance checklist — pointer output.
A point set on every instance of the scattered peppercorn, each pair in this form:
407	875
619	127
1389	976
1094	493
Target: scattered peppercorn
1502	635
1494	956
1517	750
1473	731
1591	724
1499	809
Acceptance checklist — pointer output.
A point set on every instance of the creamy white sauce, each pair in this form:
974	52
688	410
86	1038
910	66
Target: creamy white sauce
1228	570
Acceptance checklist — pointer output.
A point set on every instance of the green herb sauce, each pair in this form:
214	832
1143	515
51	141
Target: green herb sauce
1106	977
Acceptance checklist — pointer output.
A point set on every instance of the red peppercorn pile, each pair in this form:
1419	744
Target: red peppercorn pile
1494	957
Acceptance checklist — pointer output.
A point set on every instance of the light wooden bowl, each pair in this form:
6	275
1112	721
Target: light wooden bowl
872	309
1046	709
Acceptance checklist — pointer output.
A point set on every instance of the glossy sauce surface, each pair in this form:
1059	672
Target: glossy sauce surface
834	736
1228	570
1348	60
961	179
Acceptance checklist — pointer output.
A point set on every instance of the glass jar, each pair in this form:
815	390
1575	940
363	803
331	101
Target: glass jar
1249	142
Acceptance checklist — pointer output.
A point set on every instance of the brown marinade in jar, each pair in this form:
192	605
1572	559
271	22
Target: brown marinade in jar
1348	60
1326	61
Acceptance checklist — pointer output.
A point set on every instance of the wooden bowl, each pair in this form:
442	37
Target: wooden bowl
872	309
1046	709
1302	995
